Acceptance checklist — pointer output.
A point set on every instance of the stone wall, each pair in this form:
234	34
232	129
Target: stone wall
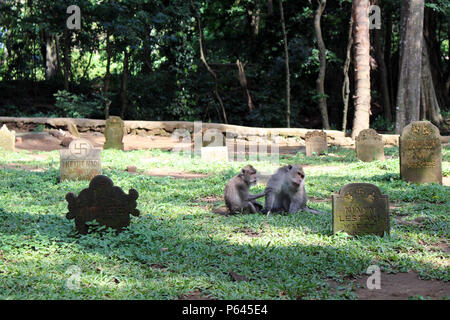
166	128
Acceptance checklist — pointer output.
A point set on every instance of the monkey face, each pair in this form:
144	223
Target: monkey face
248	173
296	174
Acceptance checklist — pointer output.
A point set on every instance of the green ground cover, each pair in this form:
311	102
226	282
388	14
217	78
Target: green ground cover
178	244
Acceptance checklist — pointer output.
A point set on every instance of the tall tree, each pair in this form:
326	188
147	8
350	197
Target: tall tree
320	82
346	83
360	12
408	93
382	72
288	75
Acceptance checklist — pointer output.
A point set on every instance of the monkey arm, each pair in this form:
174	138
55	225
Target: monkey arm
256	196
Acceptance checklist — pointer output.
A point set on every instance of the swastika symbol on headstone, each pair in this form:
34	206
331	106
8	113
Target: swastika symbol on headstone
80	147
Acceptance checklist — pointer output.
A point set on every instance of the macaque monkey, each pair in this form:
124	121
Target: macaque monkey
237	194
285	191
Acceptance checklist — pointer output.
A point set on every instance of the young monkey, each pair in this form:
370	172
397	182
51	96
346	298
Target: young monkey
237	192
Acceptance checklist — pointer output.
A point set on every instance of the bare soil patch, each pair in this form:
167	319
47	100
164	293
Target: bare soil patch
162	172
43	141
314	199
15	166
401	286
196	295
249	232
39	141
210	199
221	210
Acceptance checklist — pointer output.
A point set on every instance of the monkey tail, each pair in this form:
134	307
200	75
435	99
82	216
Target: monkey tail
310	210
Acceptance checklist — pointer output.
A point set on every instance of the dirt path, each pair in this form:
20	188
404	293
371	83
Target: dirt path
401	286
42	141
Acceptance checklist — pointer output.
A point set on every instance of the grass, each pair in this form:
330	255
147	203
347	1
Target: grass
179	245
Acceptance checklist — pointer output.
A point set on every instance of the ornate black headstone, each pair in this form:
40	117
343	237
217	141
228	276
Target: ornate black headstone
360	208
104	202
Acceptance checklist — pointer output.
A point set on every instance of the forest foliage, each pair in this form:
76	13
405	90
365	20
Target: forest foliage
141	59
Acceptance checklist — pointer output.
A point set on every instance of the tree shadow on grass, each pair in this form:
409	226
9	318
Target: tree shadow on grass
191	253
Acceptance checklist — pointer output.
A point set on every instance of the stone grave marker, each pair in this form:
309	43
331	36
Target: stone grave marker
114	132
7	139
369	146
213	146
72	128
215	154
80	162
109	205
421	153
316	142
360	208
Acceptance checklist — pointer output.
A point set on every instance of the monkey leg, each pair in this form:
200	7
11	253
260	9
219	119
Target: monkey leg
258	206
270	200
250	207
294	207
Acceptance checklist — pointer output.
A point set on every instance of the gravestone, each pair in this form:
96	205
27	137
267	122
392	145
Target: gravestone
114	133
7	139
360	208
80	162
420	153
369	146
316	142
109	205
72	128
213	146
215	154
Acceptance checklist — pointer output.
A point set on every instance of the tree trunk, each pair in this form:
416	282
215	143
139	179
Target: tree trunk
382	74
361	33
205	62
288	75
51	57
320	82
123	87
346	84
429	101
243	81
434	55
408	93
108	64
67	63
387	56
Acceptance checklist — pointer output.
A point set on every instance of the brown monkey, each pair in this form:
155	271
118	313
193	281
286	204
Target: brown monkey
237	194
285	191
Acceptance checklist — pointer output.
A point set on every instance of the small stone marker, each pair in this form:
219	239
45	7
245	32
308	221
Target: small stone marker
421	153
131	169
316	141
360	208
80	162
104	202
369	146
7	139
114	133
72	127
215	154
